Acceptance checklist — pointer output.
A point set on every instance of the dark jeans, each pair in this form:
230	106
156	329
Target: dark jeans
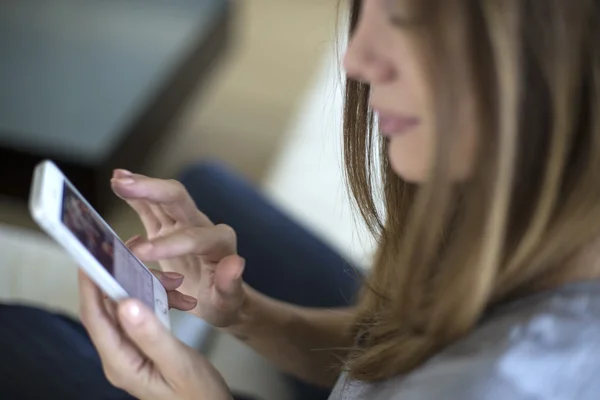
43	355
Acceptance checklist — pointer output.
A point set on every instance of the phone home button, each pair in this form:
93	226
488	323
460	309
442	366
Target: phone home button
161	306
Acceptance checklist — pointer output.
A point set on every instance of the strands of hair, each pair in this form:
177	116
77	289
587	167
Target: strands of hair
450	251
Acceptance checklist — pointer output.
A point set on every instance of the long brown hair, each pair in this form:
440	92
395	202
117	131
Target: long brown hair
449	251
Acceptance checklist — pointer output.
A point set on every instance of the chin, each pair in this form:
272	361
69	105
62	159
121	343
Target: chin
409	168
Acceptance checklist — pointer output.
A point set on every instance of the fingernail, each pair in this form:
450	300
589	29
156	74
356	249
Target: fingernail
133	313
189	299
125	172
124	181
172	275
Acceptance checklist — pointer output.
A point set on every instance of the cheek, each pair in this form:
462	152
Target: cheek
411	155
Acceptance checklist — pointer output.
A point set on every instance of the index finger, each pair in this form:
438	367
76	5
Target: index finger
169	193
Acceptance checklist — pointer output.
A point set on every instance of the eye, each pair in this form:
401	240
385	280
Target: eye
401	14
404	21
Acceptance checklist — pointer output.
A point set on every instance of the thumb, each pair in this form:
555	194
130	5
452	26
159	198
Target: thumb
228	275
149	335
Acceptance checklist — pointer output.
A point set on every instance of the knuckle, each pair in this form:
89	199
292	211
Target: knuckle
176	184
149	331
178	189
222	303
228	233
193	235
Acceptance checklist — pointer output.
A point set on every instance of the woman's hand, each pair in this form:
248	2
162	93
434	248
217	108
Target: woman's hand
140	356
183	240
171	281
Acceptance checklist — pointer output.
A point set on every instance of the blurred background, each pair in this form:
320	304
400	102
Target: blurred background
154	87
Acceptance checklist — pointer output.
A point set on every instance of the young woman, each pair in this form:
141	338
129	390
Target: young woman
486	280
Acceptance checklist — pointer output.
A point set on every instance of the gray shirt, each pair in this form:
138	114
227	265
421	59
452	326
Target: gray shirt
543	347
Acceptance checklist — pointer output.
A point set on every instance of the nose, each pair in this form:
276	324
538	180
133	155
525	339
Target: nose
364	61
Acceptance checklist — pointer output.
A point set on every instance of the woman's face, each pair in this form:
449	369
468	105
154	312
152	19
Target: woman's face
382	53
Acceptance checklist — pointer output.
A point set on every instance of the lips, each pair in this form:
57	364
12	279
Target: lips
391	125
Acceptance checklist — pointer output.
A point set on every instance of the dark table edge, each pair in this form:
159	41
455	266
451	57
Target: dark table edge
143	135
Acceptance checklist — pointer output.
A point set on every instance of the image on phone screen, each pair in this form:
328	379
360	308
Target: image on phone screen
106	247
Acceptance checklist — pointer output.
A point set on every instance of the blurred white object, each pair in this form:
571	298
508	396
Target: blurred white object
35	270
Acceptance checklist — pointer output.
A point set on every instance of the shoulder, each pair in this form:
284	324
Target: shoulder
544	347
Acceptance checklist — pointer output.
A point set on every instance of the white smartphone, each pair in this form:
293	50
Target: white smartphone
61	211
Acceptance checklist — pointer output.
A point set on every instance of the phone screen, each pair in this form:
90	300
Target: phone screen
106	247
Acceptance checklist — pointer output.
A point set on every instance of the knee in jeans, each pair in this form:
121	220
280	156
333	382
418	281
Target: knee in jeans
204	170
210	183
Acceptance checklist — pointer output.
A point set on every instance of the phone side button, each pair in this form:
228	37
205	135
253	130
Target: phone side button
161	306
